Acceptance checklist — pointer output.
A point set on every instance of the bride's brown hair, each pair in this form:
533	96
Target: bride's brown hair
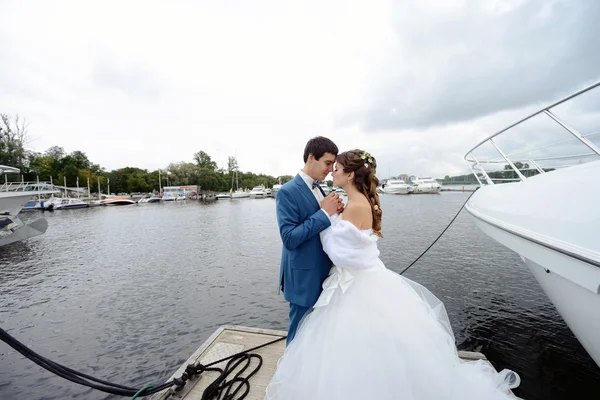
364	167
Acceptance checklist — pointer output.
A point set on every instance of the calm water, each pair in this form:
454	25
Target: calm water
128	293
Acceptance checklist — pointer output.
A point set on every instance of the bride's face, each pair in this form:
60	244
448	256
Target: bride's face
340	178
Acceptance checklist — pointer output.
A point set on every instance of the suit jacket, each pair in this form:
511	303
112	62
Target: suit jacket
304	264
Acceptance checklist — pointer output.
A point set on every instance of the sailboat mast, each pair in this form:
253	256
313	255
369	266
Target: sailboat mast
237	183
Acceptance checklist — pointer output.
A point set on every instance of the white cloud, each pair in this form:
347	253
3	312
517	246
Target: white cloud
417	83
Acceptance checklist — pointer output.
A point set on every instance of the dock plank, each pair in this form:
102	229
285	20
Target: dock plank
232	339
227	341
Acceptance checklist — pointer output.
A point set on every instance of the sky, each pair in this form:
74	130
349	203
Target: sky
417	83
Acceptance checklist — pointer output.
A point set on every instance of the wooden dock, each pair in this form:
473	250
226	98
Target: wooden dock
229	340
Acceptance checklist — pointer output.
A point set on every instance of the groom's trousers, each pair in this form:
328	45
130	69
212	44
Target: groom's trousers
296	314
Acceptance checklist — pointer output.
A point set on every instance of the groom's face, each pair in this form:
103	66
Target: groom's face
323	166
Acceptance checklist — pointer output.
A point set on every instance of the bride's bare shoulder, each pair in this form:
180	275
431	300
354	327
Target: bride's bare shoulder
357	213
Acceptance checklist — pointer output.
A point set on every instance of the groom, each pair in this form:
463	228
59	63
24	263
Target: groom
303	211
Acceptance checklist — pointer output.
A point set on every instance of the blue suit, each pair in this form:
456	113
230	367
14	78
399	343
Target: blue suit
304	264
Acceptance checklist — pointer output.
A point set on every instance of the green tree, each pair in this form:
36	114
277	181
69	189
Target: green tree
42	166
286	178
203	160
232	164
80	160
13	138
510	173
55	152
182	173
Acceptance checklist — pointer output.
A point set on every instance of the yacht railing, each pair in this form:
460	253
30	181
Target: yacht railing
42	187
517	167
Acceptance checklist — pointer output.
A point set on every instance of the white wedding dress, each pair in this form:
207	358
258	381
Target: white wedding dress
374	334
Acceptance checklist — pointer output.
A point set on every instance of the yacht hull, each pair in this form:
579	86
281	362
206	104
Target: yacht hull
424	190
71	206
11	203
556	234
395	190
572	285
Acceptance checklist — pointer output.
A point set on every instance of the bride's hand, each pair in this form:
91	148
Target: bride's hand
340	208
330	203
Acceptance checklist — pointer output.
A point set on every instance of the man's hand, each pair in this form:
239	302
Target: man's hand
330	203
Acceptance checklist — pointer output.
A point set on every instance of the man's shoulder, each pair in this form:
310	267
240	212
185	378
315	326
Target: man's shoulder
289	185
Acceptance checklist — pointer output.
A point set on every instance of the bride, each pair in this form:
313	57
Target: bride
374	334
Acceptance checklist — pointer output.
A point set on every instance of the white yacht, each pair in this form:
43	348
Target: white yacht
13	196
258	192
424	185
275	189
539	197
395	186
325	188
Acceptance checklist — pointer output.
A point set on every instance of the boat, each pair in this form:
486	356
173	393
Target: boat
95	203
52	202
258	192
13	197
150	199
424	185
540	200
223	196
395	186
340	191
325	187
275	189
33	205
238	193
167	196
117	201
69	204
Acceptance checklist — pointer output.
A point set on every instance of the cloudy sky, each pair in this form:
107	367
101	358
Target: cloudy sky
415	82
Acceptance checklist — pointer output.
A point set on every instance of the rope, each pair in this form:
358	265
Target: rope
440	235
221	389
139	392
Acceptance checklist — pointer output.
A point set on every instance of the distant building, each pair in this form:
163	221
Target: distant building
179	191
403	177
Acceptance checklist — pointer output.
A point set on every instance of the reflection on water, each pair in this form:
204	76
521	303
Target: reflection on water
128	293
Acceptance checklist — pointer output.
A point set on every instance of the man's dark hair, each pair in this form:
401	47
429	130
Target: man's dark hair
318	146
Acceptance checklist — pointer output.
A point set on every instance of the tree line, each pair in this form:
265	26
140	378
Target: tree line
75	168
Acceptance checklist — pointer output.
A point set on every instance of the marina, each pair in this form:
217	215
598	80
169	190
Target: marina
215	263
163	234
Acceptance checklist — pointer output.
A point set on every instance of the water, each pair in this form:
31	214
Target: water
128	293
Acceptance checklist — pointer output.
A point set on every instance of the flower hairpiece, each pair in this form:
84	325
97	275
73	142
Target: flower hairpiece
367	157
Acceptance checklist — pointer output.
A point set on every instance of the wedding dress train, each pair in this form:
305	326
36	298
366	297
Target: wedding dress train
374	334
